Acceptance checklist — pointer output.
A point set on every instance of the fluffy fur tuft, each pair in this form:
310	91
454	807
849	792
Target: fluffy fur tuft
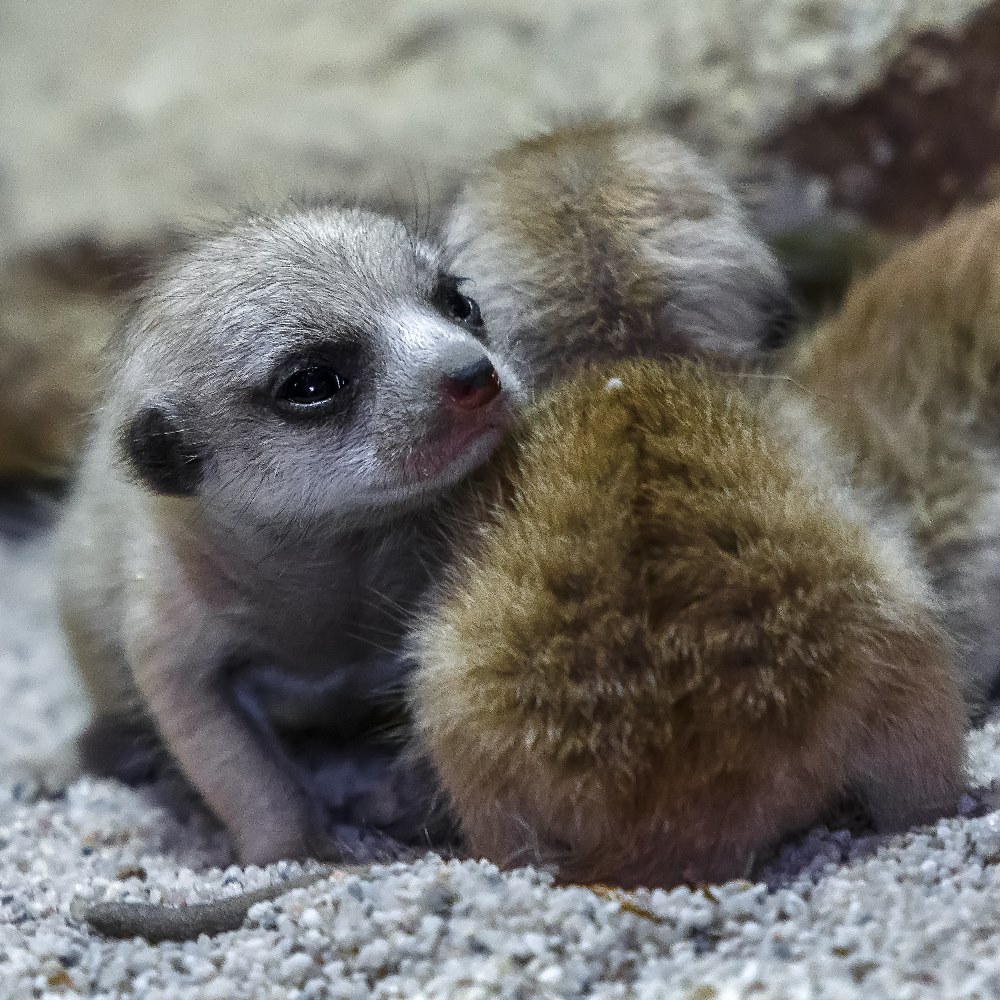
606	241
664	644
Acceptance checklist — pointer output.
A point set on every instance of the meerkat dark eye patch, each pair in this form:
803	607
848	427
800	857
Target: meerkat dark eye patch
456	305
308	391
161	453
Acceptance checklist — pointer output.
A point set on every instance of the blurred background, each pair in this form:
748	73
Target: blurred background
844	123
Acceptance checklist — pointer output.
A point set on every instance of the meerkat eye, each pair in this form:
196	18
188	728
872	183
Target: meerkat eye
309	390
461	307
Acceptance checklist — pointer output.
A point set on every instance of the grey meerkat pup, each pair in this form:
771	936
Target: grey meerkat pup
702	636
608	240
256	509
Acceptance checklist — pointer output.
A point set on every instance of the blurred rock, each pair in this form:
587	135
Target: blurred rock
919	142
120	116
122	119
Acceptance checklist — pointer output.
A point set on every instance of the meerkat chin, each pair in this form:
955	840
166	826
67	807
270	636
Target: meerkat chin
256	512
666	640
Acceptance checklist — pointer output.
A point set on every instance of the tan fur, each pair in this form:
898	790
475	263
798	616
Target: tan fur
666	642
607	241
907	377
50	336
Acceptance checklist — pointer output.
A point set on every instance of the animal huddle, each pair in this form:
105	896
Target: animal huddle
655	588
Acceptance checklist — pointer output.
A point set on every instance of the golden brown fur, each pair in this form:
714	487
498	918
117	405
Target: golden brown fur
907	376
666	642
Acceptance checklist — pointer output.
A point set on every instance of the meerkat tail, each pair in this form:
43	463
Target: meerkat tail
157	922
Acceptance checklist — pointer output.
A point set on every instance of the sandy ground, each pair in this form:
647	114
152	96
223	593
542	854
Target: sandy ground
830	916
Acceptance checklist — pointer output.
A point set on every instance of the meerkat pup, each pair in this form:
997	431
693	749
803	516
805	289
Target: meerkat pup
906	376
255	513
668	637
267	514
604	241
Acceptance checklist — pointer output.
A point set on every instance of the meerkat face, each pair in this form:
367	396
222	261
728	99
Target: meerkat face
318	362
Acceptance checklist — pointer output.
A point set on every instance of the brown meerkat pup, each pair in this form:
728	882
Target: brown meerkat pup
255	513
604	241
668	638
906	376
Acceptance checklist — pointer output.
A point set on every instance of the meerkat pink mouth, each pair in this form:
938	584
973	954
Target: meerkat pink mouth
475	412
468	448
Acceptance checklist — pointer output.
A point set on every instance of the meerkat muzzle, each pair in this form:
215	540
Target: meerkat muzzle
473	386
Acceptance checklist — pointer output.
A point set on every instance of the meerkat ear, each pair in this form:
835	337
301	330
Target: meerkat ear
162	452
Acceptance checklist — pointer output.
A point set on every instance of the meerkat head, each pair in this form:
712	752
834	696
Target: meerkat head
601	242
320	361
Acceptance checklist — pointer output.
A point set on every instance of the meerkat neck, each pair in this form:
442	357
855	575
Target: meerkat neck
235	553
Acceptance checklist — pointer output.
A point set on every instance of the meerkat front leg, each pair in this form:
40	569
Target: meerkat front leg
219	749
265	810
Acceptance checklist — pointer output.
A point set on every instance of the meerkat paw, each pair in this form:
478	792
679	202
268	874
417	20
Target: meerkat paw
298	833
44	776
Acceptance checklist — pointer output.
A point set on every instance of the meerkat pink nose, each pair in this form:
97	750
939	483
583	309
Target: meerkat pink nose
473	386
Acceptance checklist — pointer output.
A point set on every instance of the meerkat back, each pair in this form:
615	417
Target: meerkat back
606	241
665	642
905	375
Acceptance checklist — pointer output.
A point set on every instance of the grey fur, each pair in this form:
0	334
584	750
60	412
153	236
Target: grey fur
304	544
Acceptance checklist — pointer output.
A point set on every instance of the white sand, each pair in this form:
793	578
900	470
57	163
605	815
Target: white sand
911	916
